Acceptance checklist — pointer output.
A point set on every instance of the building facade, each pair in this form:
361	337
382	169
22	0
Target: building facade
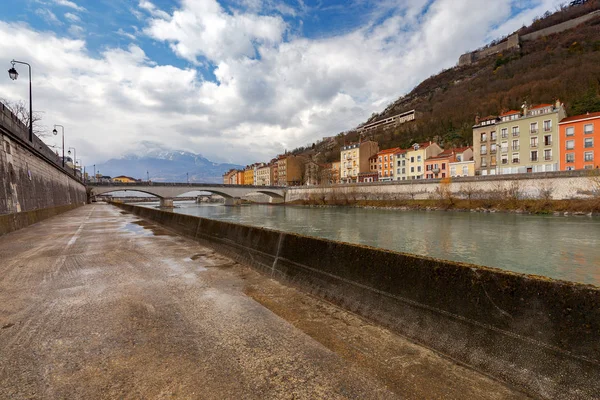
579	142
386	164
529	141
485	145
354	159
312	173
411	163
263	176
249	175
290	170
335	172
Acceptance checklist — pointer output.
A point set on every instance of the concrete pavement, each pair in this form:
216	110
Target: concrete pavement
96	303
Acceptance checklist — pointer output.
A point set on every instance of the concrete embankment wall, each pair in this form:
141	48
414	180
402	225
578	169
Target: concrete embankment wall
556	185
33	185
541	335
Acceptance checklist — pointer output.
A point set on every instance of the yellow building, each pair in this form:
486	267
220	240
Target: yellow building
354	159
123	179
249	176
411	165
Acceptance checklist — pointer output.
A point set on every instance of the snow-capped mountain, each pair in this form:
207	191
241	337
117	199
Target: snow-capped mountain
163	165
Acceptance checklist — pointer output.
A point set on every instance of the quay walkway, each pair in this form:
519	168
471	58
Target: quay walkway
96	303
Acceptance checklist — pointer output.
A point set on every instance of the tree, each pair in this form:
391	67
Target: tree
21	111
589	102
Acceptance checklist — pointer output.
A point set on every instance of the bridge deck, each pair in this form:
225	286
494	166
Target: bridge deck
97	304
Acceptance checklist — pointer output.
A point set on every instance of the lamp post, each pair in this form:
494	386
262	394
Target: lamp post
55	132
74	158
187	177
14	75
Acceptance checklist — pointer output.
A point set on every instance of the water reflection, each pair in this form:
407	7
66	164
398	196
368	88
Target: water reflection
559	247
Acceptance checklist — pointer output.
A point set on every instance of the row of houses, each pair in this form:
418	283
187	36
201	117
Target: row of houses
538	138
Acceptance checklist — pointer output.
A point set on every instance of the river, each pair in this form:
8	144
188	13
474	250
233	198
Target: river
565	248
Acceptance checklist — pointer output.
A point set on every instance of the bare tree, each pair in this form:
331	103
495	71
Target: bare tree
21	111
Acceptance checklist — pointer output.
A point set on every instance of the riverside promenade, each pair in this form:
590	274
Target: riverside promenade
97	303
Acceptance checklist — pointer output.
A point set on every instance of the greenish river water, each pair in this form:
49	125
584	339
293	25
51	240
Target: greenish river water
565	248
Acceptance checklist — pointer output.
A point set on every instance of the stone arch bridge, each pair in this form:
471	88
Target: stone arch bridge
166	192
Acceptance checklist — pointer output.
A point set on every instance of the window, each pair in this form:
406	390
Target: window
533	127
412	169
484	137
483	150
465	170
385	158
570	157
570	144
515	144
493	135
380	159
484	162
515	158
588	156
548	154
515	131
534	155
504	147
547	140
589	128
403	170
570	131
493	163
588	142
492	149
504	159
398	171
504	133
453	170
547	126
533	142
412	159
419	168
418	158
443	165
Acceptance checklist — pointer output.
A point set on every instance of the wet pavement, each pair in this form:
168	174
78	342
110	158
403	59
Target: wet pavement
96	303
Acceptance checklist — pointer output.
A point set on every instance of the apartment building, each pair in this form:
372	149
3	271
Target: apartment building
438	167
410	164
354	159
290	170
249	175
312	173
227	176
274	172
335	172
386	163
580	142
463	165
263	175
239	178
485	144
529	140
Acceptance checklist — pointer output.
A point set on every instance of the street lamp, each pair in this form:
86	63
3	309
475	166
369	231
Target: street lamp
74	158
55	132
13	74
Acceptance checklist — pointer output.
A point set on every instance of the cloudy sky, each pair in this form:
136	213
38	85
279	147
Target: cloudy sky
235	80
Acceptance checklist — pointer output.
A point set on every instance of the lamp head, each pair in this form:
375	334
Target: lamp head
13	73
69	152
54	131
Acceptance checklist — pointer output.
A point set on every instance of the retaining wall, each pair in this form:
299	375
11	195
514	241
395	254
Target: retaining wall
541	335
31	179
559	185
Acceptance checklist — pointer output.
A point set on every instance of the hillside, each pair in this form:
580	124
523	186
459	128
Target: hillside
564	66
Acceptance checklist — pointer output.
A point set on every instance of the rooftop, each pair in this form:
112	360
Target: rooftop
580	117
387	151
511	112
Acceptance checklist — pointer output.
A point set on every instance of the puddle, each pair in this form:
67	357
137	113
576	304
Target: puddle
144	228
132	227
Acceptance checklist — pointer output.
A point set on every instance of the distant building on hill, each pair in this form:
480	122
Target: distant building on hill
389	122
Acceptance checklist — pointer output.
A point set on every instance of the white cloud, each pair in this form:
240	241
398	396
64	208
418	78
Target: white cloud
70	4
128	35
48	16
72	17
270	92
152	9
76	30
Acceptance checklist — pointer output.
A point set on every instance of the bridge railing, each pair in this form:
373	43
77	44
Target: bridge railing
178	184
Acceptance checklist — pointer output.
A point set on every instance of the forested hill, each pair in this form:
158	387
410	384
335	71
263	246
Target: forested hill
564	66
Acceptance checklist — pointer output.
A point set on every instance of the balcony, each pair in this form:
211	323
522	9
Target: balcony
483	152
533	159
493	151
515	160
533	145
504	161
548	143
504	149
548	158
515	148
570	161
515	134
533	131
588	145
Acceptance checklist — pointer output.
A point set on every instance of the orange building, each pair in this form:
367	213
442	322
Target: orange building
385	166
439	166
580	142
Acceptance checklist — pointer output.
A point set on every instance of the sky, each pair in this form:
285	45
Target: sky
235	80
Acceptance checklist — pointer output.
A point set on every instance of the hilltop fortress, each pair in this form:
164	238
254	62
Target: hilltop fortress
514	41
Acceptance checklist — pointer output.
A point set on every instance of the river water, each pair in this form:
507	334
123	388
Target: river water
565	248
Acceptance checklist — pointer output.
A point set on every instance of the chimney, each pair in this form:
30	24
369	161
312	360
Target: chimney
557	103
525	108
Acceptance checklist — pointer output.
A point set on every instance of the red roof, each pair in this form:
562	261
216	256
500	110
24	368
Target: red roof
461	149
387	151
400	151
582	116
541	106
511	112
443	154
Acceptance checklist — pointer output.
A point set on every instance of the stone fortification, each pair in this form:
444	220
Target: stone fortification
31	178
513	41
536	333
549	185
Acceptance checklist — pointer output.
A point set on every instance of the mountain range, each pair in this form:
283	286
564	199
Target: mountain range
162	165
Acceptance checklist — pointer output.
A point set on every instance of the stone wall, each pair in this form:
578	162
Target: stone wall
535	333
31	177
468	58
560	27
555	185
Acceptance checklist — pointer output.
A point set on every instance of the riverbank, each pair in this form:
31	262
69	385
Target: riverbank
579	207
